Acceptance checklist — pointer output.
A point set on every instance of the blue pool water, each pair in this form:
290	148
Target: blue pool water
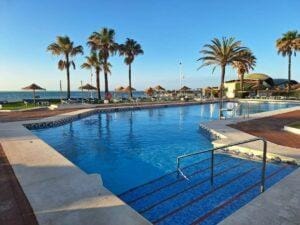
132	147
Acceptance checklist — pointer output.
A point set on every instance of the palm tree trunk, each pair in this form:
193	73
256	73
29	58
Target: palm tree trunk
105	78
289	72
129	76
68	77
98	83
221	91
242	82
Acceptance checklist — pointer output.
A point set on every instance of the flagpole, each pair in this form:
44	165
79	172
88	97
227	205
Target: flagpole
81	92
60	88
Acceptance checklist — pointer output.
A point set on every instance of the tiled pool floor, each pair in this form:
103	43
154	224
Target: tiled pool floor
171	199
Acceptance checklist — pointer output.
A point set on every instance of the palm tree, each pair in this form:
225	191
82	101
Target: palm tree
287	45
64	46
130	49
222	53
243	67
93	62
104	42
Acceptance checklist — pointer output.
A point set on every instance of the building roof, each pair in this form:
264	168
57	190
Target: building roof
257	76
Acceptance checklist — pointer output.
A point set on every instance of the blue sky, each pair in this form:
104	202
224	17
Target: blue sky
169	32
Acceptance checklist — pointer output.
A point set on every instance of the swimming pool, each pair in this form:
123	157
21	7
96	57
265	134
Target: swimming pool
132	147
135	153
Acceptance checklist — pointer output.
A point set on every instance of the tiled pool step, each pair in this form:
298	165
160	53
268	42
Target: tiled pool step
171	199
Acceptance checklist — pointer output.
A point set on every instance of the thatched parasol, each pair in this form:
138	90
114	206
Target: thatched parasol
119	89
33	87
185	88
159	88
149	91
127	89
87	87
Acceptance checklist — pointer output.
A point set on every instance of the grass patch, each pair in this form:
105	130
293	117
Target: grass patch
295	125
17	105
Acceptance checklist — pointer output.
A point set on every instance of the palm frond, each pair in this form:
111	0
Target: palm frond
61	64
73	64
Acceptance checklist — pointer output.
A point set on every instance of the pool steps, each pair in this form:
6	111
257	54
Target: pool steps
170	199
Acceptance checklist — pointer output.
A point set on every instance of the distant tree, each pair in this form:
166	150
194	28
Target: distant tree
64	46
104	42
243	67
222	53
130	49
287	45
93	62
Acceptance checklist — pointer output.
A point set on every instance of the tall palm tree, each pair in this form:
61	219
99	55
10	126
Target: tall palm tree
104	43
287	45
64	46
93	62
243	67
130	49
222	53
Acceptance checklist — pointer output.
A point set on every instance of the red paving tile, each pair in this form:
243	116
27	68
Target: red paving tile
14	206
31	115
271	128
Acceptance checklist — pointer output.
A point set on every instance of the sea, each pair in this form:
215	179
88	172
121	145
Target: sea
15	96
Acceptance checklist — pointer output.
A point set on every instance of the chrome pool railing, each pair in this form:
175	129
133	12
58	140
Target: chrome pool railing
264	159
245	112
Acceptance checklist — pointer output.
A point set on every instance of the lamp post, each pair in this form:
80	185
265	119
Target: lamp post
92	85
180	76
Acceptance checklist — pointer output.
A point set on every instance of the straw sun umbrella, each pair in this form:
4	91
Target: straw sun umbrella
87	87
128	88
119	89
33	87
149	91
185	88
159	88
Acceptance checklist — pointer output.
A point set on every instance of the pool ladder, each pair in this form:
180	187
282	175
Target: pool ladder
264	159
235	110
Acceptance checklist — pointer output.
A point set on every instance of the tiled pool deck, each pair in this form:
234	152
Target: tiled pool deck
60	193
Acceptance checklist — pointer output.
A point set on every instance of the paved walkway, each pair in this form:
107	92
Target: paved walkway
271	128
14	206
32	114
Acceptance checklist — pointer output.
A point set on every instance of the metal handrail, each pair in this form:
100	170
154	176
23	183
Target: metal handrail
264	159
235	109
